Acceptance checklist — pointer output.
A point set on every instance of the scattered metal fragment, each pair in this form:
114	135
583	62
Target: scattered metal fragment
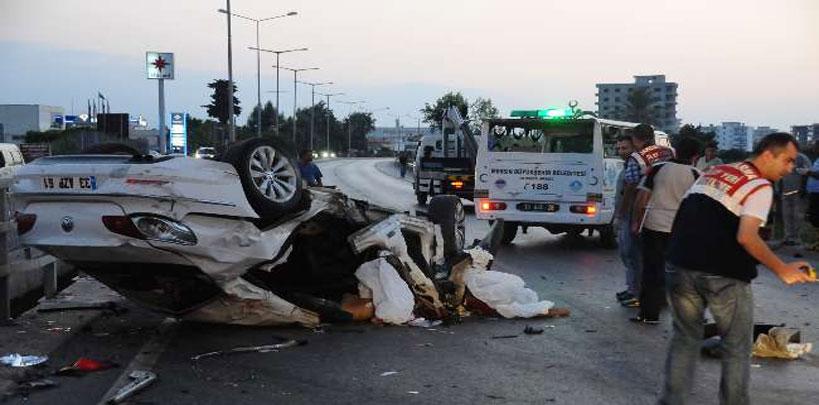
27	387
386	373
18	360
140	380
505	337
413	392
249	349
591	331
424	323
73	306
531	330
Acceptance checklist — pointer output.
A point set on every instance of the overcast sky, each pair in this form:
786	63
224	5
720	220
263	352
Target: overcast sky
735	60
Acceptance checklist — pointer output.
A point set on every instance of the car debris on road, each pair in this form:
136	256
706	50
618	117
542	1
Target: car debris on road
243	241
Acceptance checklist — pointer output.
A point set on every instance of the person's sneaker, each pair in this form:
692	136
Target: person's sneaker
647	321
623	295
632	302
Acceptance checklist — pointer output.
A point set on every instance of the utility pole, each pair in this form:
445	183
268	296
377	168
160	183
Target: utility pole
295	95
276	118
313	108
231	117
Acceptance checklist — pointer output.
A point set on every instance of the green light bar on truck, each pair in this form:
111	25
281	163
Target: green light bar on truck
549	113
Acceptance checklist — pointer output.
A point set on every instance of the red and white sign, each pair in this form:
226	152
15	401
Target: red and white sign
159	65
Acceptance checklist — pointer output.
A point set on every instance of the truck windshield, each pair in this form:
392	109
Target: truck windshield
541	136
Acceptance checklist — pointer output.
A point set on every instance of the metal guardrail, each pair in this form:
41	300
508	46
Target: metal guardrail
10	252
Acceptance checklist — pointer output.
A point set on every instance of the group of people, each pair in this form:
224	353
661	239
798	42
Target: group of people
689	236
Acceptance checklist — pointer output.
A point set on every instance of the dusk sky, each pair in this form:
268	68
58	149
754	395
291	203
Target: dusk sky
734	60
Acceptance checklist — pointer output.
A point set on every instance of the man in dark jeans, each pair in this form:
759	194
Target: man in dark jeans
658	197
713	253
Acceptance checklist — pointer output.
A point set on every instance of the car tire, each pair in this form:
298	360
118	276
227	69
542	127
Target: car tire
422	198
270	178
608	239
448	212
510	230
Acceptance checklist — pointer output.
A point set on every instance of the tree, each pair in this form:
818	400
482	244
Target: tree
218	101
435	112
268	118
481	109
640	107
357	126
202	133
338	136
696	132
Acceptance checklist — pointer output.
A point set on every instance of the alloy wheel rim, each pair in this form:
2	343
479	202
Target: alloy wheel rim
272	174
460	226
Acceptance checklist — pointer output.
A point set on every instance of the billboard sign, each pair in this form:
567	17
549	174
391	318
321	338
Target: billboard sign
159	65
179	133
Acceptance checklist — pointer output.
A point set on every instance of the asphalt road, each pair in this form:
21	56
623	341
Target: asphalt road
593	357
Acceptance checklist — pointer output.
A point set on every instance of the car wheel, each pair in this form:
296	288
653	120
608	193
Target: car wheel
421	197
510	229
269	176
448	212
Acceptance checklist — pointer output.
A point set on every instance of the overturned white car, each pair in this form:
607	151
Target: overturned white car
236	241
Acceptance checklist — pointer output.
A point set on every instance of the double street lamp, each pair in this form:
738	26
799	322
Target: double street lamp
295	93
258	61
278	52
328	95
350	122
313	106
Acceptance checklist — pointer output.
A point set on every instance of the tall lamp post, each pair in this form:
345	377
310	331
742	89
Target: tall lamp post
328	95
295	94
313	106
258	62
278	52
231	118
350	122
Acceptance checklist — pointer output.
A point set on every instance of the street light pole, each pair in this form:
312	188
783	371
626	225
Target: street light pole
328	95
313	107
277	76
231	118
258	63
295	94
350	123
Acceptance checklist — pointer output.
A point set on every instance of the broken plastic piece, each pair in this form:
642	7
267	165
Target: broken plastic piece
140	380
778	343
424	323
18	360
531	330
386	373
86	365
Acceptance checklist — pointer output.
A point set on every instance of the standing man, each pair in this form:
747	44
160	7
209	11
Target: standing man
709	159
791	199
659	196
402	163
310	173
637	166
713	253
624	149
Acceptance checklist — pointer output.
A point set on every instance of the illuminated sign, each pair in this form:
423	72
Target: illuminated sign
179	133
159	65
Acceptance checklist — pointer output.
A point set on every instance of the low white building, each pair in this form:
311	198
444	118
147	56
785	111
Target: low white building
18	119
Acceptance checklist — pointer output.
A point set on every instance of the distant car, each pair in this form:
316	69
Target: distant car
205	152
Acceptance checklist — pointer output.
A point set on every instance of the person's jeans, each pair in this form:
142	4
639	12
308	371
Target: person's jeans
652	289
731	304
629	248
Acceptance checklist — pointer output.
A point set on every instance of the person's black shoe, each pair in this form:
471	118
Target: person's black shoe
623	295
647	321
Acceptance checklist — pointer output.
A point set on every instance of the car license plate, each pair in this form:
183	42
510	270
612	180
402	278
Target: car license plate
70	183
539	207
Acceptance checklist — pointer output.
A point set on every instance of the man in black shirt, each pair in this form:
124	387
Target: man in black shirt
713	253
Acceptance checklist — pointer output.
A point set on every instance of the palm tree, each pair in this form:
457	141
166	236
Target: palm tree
640	107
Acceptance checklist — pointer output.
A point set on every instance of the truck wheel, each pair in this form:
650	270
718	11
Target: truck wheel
270	179
421	197
510	229
447	211
608	239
